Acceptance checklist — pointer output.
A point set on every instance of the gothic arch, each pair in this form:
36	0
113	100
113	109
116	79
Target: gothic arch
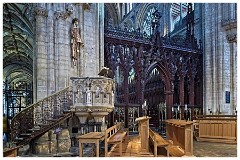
164	72
143	11
113	12
168	91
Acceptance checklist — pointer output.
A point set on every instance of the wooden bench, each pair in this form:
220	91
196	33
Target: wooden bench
115	135
158	141
175	151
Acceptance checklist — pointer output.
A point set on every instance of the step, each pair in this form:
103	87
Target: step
35	129
19	138
44	124
25	134
53	120
66	111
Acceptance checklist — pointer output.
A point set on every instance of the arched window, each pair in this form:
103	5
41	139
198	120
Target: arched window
178	12
147	24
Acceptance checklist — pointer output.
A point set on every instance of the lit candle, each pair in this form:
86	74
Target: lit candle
185	107
178	107
172	109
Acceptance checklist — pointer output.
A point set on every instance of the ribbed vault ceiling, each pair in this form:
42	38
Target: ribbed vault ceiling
17	43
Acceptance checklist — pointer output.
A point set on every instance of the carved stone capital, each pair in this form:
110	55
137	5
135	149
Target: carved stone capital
41	12
229	24
62	14
86	6
232	38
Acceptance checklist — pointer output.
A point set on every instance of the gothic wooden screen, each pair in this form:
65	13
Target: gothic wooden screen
161	70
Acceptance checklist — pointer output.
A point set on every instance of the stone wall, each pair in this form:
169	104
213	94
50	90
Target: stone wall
50	143
219	61
53	64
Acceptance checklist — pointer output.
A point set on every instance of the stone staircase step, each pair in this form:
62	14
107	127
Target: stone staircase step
35	129
25	134
52	120
44	124
19	138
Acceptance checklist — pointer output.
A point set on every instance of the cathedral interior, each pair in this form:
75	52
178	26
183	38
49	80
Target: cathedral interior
132	79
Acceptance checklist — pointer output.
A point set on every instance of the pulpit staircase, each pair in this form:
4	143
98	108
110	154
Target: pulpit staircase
40	117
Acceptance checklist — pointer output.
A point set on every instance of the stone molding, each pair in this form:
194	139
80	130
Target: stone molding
232	38
230	26
62	14
86	6
41	12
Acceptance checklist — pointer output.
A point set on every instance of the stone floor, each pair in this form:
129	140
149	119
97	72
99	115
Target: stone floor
200	149
211	149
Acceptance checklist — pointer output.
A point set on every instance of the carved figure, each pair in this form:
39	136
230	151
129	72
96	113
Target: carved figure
76	41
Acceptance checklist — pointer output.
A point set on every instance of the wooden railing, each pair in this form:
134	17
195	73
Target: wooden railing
217	128
52	107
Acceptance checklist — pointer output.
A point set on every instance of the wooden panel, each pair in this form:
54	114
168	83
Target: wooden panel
213	127
182	135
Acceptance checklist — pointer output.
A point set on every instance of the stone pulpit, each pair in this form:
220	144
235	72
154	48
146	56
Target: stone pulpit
93	99
143	128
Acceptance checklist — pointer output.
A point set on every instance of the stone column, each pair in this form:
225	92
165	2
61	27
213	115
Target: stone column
233	73
50	51
229	24
90	58
170	19
82	50
41	52
101	35
61	57
180	13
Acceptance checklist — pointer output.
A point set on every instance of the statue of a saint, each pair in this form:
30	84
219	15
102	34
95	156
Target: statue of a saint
76	41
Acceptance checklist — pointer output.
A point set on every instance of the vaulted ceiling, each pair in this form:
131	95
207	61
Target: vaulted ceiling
17	43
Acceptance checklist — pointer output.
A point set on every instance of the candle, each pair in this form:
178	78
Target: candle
172	109
185	107
178	108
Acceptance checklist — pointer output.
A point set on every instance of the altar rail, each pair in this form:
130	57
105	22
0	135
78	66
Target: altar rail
217	128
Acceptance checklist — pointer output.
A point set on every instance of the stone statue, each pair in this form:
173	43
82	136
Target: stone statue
76	41
88	92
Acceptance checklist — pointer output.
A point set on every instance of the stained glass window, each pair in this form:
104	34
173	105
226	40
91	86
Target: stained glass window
147	24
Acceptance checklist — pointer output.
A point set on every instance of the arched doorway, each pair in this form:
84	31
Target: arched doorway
154	95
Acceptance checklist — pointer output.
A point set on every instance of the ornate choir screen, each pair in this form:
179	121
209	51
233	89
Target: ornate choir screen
161	70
